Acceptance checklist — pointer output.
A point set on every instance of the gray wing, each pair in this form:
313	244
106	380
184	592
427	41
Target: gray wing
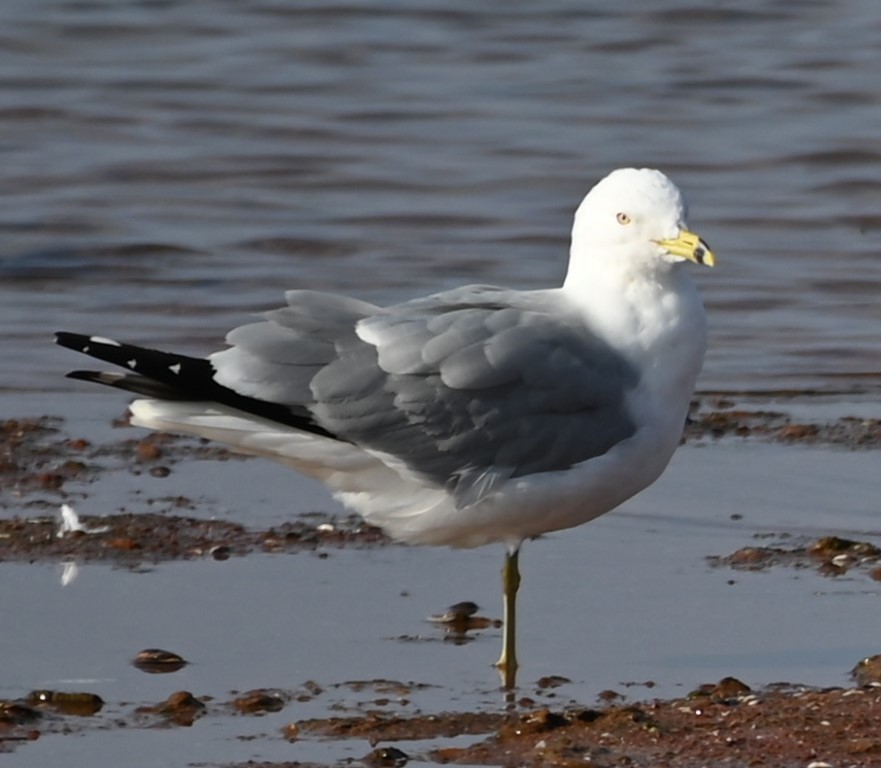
467	388
276	360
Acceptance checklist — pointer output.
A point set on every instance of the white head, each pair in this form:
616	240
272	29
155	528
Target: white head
636	216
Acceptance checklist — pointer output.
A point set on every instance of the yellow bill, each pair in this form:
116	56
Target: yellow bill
689	246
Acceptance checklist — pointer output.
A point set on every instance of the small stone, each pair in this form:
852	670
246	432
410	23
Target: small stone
180	700
542	720
81	704
158	661
326	528
181	707
868	671
12	713
459	612
147	450
313	687
552	681
828	547
750	557
609	695
831	569
259	701
387	756
729	688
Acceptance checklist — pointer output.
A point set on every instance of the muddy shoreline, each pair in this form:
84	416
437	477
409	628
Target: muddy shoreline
43	467
724	723
39	462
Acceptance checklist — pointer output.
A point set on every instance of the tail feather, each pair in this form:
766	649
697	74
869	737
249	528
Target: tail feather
128	382
170	376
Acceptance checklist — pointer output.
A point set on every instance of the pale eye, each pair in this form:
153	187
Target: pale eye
623	218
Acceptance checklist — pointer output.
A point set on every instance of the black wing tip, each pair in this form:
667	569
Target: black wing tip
69	340
79	342
102	377
133	384
158	374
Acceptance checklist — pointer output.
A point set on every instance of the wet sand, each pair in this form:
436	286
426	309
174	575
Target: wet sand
724	723
720	723
38	459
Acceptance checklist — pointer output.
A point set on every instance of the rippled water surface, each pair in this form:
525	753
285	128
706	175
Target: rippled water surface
168	167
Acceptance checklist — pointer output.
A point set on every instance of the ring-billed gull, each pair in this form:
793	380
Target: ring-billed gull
476	415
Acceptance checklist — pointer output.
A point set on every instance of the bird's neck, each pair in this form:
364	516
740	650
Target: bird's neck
609	265
626	300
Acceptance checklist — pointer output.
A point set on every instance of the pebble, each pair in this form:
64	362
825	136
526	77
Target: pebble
82	704
455	613
258	701
158	661
868	671
387	756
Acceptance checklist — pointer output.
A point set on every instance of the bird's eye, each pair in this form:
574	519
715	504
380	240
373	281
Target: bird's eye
623	218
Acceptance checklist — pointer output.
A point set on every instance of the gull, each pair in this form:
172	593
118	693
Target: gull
472	416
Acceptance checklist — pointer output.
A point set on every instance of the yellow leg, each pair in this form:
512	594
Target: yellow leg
507	662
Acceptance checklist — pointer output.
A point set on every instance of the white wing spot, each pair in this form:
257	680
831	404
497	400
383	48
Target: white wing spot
174	368
106	342
131	363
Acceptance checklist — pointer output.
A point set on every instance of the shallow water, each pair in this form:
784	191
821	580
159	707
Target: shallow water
626	600
168	168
